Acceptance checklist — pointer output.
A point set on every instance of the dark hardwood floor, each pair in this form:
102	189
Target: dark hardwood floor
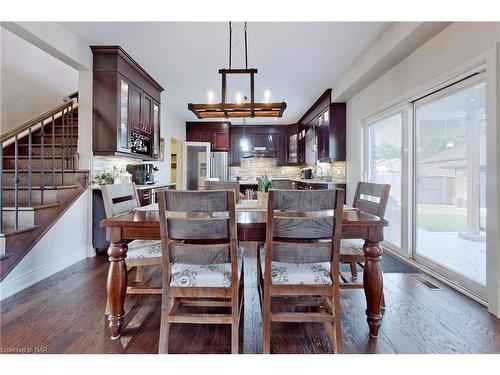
65	314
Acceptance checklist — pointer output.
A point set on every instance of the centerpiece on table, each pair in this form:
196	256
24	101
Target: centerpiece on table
263	189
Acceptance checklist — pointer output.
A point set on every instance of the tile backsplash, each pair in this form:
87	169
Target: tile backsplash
252	168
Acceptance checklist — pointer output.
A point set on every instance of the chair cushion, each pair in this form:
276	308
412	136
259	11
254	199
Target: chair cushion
144	249
297	273
204	275
352	247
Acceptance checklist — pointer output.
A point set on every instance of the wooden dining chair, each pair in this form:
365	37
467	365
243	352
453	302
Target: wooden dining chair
301	259
224	185
202	265
372	198
283	184
121	198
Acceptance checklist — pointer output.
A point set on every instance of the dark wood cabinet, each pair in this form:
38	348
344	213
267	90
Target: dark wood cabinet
126	100
217	133
328	120
282	150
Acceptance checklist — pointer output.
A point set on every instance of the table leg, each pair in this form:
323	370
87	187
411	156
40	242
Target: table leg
373	283
116	286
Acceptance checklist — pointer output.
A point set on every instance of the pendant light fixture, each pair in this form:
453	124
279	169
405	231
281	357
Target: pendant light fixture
239	108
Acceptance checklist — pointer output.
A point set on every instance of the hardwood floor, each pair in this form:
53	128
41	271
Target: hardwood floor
65	314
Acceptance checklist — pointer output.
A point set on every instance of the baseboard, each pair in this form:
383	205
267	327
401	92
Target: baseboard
91	252
436	275
9	287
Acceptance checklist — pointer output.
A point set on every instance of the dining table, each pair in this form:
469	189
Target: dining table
144	223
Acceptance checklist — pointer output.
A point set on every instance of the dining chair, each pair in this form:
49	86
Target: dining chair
372	198
224	185
300	259
121	198
202	265
283	184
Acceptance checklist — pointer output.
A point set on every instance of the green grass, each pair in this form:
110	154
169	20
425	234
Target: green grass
443	218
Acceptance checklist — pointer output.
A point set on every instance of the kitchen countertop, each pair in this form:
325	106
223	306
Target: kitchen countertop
307	181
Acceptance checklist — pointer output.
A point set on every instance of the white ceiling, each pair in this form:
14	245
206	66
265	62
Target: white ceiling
297	61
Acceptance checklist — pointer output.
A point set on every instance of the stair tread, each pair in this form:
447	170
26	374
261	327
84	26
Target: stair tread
33	207
9	231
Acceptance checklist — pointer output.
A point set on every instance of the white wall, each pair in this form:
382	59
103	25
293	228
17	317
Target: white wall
171	127
32	82
459	46
63	245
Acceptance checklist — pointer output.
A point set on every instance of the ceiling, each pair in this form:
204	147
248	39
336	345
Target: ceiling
297	61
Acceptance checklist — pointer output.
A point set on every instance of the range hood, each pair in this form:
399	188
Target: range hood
259	152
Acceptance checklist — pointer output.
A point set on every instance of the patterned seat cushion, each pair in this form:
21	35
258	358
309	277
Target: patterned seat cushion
204	275
297	273
139	249
352	247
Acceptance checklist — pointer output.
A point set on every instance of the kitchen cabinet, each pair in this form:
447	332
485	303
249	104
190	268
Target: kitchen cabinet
126	105
282	158
328	122
217	133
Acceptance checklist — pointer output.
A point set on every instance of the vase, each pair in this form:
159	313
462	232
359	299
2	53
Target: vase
262	198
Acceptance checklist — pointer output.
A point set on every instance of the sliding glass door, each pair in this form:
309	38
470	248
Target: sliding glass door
437	207
450	171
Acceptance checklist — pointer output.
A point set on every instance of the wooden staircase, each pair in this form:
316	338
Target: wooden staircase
40	179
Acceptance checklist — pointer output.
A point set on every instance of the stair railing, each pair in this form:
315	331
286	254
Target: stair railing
10	141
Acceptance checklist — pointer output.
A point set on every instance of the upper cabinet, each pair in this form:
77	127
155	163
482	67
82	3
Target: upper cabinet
126	106
322	131
217	133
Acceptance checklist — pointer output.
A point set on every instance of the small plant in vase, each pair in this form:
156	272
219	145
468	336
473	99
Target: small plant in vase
263	188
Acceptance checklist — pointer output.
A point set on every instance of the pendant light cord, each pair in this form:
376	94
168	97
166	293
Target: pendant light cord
246	49
230	42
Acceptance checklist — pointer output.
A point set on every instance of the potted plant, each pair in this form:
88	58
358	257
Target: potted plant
263	188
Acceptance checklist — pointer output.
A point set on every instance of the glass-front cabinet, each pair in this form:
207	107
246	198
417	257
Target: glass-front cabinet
123	130
156	132
292	148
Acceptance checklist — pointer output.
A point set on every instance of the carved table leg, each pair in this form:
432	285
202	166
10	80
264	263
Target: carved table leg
373	283
116	285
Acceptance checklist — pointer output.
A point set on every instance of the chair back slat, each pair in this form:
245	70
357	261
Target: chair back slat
119	198
290	252
283	184
199	254
188	201
224	185
372	198
194	229
305	200
304	228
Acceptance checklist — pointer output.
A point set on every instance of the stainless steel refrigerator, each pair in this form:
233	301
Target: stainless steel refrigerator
219	165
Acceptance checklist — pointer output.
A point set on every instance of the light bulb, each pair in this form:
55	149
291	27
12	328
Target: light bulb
210	96
267	96
239	97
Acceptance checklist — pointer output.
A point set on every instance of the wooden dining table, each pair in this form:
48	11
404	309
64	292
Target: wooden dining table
144	223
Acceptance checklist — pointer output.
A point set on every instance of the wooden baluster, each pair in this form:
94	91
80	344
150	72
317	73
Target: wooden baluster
42	178
1	187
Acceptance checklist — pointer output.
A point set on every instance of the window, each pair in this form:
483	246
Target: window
450	168
384	166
